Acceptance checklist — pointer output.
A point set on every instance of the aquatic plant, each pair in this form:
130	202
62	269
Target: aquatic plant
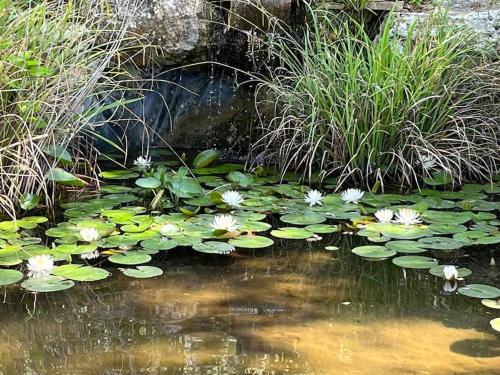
352	195
143	162
232	198
314	197
40	265
89	234
380	109
407	216
224	222
384	215
450	272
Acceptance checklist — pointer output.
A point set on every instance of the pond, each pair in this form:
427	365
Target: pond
291	308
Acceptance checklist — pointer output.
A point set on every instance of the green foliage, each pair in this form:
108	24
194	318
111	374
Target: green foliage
381	109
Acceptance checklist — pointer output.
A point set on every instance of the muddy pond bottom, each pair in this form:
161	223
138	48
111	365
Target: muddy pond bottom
286	310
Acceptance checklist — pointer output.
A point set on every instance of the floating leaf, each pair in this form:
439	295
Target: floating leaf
307	217
440	228
220	169
130	258
476	237
79	272
374	252
491	303
251	242
331	248
479	291
62	177
159	244
446	217
46	284
440	243
148	183
205	158
292	233
405	246
121	174
214	247
143	272
415	261
10	276
439	178
322	228
495	324
438	271
29	201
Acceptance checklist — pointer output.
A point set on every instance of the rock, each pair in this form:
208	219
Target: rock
482	16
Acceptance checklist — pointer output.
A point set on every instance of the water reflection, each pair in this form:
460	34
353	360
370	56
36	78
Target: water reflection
294	311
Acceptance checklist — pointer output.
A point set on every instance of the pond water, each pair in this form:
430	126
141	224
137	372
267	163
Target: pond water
293	308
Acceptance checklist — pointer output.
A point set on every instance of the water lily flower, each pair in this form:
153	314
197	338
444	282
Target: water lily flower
449	287
90	255
40	265
407	216
232	198
314	197
168	229
384	215
224	222
352	195
428	162
89	234
143	162
450	272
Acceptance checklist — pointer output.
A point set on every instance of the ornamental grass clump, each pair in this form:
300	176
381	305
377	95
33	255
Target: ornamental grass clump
369	110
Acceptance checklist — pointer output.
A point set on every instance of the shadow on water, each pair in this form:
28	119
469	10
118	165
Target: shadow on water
293	309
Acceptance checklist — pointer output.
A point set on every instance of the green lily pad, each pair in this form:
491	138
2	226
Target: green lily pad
116	189
214	247
491	303
10	276
476	237
374	252
148	183
130	258
400	232
75	249
159	244
307	217
143	272
122	174
46	284
78	272
439	228
205	158
439	178
292	233
29	201
415	261
495	324
248	241
220	169
440	243
405	246
479	291
438	271
322	228
446	217
331	248
62	177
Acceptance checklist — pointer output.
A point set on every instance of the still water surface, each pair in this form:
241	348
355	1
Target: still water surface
292	309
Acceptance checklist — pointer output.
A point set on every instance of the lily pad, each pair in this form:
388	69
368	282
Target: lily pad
405	246
415	261
491	303
78	272
250	242
292	233
121	174
495	324
148	183
142	272
159	244
322	228
62	177
205	158
438	271
374	252
476	237
214	247
446	217
307	217
440	243
10	276
130	258
440	228
46	284
479	291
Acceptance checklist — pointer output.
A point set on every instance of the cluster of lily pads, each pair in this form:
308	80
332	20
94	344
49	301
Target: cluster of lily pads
216	209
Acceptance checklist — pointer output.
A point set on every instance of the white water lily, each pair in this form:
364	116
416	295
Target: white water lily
232	198
314	197
40	265
352	195
167	229
143	162
450	272
89	234
428	162
384	215
90	255
224	222
449	287
407	216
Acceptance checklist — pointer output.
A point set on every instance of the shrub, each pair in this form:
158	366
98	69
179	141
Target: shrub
381	109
